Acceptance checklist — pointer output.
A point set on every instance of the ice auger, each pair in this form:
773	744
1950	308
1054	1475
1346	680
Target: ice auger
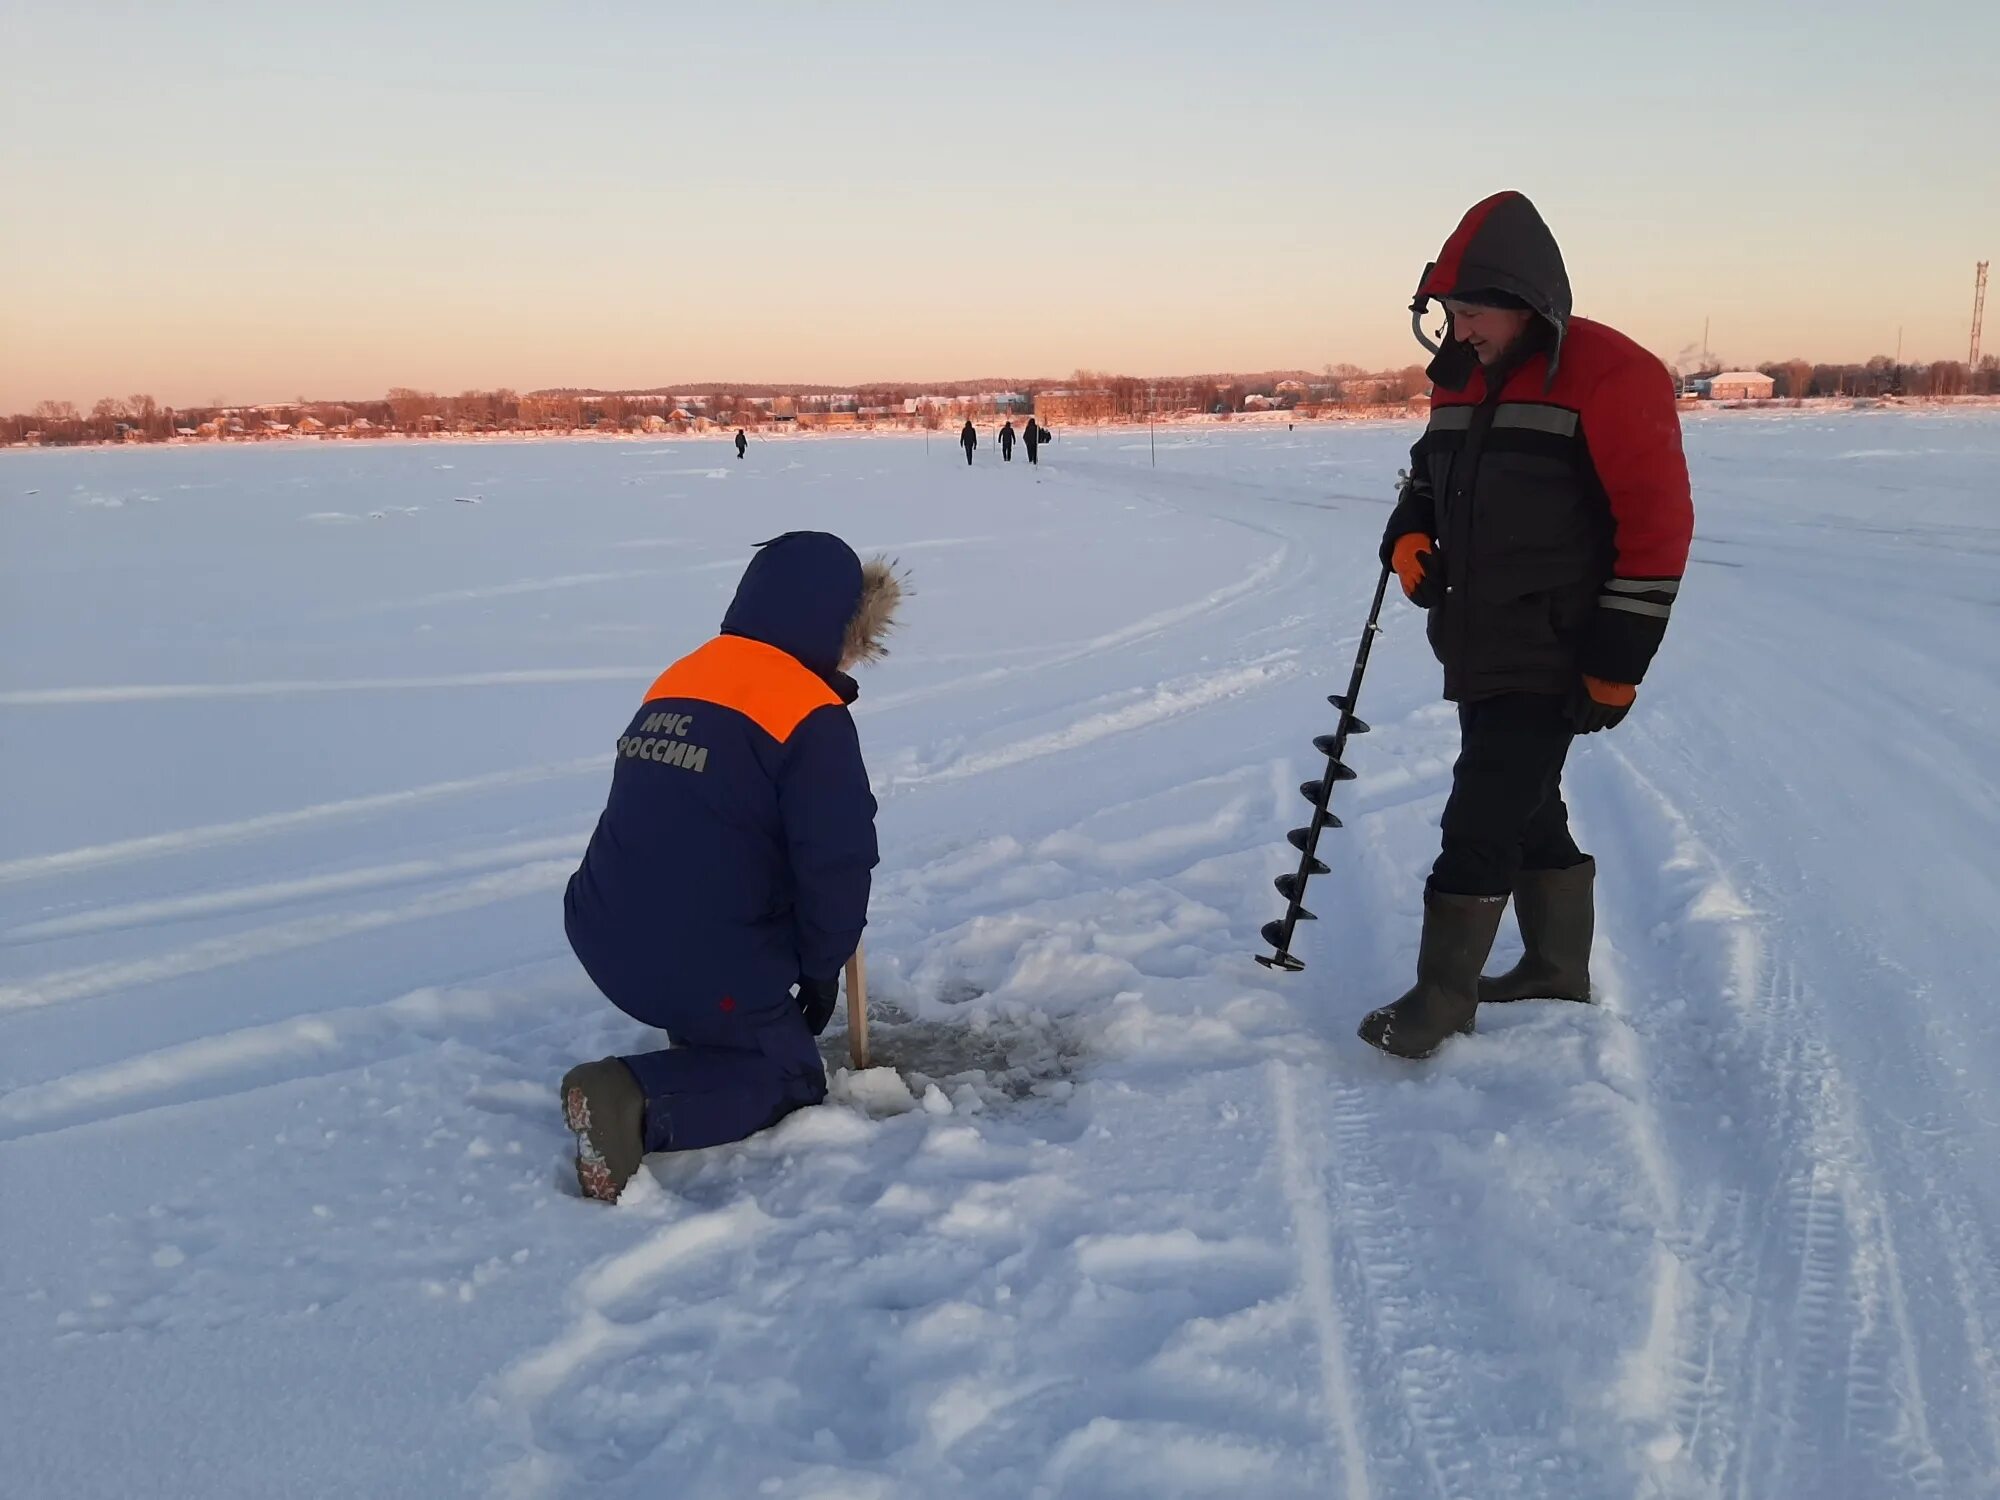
1320	792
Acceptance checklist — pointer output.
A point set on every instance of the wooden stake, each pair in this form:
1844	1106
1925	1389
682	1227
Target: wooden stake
857	1010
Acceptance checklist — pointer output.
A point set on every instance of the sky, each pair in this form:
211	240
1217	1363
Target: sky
256	203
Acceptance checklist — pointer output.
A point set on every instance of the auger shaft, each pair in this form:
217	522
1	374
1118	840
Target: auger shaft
1319	793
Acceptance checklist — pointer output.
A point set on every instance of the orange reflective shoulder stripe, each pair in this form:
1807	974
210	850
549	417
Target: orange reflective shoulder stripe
764	684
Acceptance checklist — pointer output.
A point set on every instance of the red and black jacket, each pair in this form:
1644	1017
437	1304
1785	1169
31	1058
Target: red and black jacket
1559	497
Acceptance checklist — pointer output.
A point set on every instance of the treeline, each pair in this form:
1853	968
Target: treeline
1087	395
1129	396
1797	379
139	417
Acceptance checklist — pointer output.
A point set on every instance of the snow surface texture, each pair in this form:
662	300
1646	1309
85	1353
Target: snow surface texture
284	997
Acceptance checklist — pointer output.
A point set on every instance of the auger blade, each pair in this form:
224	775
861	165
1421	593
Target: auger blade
1313	791
1274	934
1342	702
1290	886
1316	866
1299	837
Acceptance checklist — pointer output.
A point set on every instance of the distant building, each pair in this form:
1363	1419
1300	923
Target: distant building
1737	385
1366	390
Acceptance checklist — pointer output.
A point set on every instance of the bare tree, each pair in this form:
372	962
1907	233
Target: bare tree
1948	378
409	407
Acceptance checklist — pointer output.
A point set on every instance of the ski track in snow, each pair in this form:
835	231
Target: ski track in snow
287	892
190	840
1131	1217
89	980
163	692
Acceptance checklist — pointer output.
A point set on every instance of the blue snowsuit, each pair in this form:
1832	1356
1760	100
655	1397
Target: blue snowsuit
733	857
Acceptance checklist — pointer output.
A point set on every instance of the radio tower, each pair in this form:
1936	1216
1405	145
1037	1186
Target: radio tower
1978	316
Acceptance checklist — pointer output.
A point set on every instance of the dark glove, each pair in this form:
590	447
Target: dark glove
816	998
1419	568
1595	704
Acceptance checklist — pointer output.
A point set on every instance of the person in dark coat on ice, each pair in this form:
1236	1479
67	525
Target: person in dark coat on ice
968	439
1544	524
1033	438
1007	442
742	442
727	881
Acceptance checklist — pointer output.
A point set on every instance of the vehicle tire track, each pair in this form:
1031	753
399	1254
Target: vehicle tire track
1312	1225
1796	1364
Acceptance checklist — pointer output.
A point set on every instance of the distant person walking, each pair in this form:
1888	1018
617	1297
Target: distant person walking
968	440
1036	435
742	442
1007	443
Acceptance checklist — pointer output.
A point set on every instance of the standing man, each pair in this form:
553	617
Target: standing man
742	442
727	880
1034	440
968	440
1544	524
1007	442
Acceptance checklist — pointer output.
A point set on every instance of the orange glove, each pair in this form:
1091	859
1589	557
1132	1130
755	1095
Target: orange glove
1420	585
1597	704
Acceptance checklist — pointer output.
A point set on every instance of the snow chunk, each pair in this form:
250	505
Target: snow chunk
874	1091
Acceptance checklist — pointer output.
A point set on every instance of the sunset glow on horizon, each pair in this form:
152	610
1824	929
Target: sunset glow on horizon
210	202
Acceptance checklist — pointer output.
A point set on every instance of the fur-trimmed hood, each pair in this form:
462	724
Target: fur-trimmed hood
808	594
867	638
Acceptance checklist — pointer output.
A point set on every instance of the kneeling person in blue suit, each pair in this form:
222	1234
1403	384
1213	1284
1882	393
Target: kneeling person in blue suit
727	881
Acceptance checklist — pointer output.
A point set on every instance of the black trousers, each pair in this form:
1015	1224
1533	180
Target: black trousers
1505	813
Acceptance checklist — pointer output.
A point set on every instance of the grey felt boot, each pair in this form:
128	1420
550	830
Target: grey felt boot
1458	934
1557	915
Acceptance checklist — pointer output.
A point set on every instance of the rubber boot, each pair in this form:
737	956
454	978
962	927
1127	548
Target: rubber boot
1557	916
1458	934
604	1107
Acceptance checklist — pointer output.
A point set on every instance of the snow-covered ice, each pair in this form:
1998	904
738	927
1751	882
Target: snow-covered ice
300	748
